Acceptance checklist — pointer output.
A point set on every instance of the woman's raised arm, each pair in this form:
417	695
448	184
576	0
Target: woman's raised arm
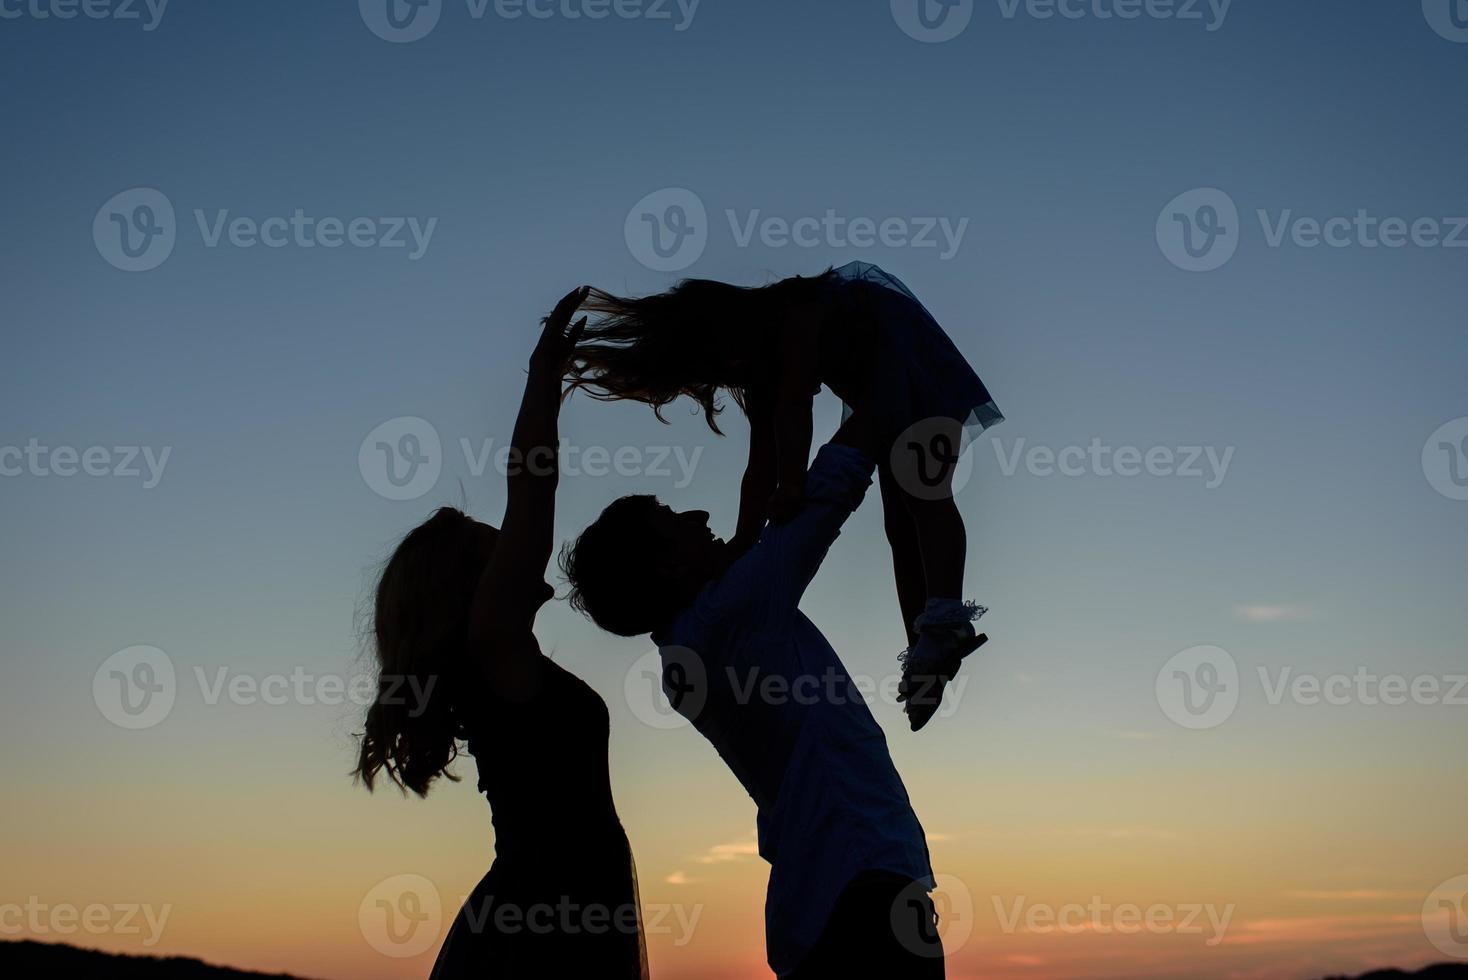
512	586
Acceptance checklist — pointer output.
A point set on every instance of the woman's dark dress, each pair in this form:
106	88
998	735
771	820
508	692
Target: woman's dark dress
561	896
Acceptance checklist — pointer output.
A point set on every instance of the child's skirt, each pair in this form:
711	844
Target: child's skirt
917	374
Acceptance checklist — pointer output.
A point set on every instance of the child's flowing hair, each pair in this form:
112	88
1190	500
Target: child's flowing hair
696	338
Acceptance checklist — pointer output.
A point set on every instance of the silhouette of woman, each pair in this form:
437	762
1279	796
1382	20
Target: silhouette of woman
453	618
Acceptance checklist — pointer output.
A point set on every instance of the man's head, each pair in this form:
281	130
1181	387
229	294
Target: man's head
641	562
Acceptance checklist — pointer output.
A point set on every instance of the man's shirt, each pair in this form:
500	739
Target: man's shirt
761	683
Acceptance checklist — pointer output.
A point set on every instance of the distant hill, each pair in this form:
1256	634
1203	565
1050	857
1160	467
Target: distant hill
1442	971
31	960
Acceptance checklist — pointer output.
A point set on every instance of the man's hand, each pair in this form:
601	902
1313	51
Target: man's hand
557	344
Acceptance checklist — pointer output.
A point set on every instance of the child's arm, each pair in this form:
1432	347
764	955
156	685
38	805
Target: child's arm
759	473
800	376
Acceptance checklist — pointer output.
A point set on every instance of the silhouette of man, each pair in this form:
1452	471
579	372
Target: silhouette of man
850	873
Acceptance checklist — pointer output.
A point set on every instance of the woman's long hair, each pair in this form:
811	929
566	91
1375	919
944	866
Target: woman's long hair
420	637
696	338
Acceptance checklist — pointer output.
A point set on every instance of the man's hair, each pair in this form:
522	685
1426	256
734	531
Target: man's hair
613	569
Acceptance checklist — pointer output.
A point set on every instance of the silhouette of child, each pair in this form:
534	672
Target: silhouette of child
863	334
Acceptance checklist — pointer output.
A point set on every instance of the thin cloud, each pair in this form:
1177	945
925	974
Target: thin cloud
735	851
1024	959
1273	613
1323	929
1123	833
1352	895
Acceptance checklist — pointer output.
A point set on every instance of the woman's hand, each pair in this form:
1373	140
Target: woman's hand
557	344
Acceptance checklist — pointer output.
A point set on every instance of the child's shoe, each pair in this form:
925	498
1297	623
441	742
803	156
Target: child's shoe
945	638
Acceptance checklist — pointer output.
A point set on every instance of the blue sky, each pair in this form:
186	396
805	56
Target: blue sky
1054	143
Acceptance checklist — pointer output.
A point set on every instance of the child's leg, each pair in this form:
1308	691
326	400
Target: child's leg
928	477
943	544
907	554
945	634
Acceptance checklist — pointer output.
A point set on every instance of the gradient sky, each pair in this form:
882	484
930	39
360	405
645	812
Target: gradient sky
1324	549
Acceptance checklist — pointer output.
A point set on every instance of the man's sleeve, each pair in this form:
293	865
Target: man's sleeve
834	488
775	572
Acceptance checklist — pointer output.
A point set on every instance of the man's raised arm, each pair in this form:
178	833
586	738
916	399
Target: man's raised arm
792	552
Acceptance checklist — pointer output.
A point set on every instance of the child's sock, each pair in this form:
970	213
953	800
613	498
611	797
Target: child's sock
949	615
